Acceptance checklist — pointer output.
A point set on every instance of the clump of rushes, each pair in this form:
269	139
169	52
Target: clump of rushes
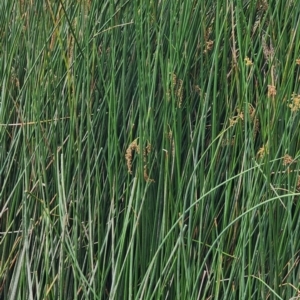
204	204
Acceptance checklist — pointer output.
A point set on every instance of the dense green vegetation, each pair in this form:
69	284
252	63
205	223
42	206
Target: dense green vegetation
150	149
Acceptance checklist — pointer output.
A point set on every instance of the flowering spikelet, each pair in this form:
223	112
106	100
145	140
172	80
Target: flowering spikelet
263	151
287	160
133	146
128	156
177	88
147	151
248	61
295	105
271	91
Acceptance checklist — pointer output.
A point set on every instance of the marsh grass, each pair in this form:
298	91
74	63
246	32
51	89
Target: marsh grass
149	150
